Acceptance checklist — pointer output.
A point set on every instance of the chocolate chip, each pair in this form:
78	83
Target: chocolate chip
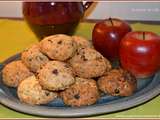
55	71
30	59
47	93
83	57
96	78
92	97
99	58
76	96
66	66
77	53
50	41
60	42
116	91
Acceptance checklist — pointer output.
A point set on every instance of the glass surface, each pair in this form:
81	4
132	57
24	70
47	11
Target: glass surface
47	18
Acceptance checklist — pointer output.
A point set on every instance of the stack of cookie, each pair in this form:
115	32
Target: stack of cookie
65	66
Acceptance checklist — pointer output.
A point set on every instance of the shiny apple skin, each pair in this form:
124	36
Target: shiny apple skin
106	39
140	57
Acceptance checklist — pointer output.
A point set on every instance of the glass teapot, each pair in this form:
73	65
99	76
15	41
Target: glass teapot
48	18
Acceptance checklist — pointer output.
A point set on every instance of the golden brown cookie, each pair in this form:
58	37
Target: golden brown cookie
82	42
88	63
33	58
83	92
58	47
56	75
14	72
118	82
30	92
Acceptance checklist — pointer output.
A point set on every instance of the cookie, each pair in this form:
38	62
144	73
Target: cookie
33	58
118	82
82	42
83	92
14	72
108	64
58	47
88	63
56	76
30	92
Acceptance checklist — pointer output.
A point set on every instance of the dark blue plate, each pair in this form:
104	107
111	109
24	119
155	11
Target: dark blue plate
148	88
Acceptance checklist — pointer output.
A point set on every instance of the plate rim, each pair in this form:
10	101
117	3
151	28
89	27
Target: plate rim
84	111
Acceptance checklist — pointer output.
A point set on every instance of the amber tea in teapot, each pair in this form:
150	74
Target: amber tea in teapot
47	18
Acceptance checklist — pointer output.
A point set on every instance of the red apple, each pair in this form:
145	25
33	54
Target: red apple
140	53
107	35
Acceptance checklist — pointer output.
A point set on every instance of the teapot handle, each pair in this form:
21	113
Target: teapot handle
86	5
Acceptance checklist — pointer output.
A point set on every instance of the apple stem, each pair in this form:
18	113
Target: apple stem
143	35
111	21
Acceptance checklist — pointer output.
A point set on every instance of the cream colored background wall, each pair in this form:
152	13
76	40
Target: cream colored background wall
124	10
10	9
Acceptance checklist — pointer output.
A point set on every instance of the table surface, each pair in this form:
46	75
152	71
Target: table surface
15	35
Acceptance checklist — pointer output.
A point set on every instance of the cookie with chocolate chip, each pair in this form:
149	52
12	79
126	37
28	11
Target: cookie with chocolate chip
33	58
83	92
30	92
82	42
58	47
118	82
56	75
88	63
14	72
